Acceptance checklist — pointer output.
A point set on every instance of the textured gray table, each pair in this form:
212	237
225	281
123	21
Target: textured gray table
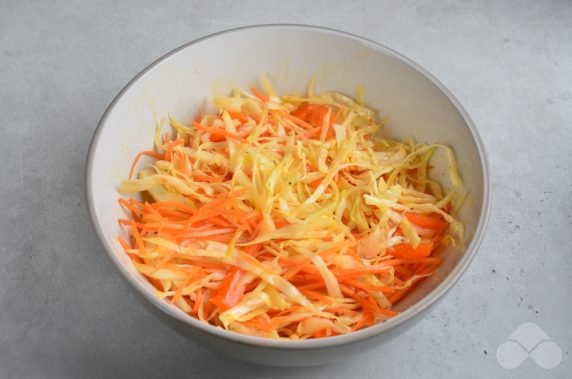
64	311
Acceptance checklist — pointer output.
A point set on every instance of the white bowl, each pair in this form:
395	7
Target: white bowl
184	81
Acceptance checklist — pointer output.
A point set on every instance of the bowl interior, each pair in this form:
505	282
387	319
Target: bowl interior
185	81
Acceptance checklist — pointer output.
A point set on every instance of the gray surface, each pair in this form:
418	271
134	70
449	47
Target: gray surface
65	312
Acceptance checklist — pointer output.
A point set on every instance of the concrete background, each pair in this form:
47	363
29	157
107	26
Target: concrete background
64	313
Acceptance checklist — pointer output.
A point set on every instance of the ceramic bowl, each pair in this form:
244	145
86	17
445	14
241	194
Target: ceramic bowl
184	80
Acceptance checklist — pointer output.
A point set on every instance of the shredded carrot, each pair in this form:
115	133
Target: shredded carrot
230	292
206	178
404	250
198	301
297	120
259	95
238	116
169	147
219	132
149	153
434	222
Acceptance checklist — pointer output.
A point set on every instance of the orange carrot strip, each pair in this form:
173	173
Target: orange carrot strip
427	222
301	111
137	238
179	291
128	204
169	147
405	250
400	294
219	221
296	269
280	222
341	311
252	249
344	273
238	116
219	132
209	307
326	123
317	296
230	291
149	153
124	244
181	163
216	207
199	117
151	210
259	95
206	178
258	323
162	205
312	133
198	301
367	303
297	120
369	287
313	286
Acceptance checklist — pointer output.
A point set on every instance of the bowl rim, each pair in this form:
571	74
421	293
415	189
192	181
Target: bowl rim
422	305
